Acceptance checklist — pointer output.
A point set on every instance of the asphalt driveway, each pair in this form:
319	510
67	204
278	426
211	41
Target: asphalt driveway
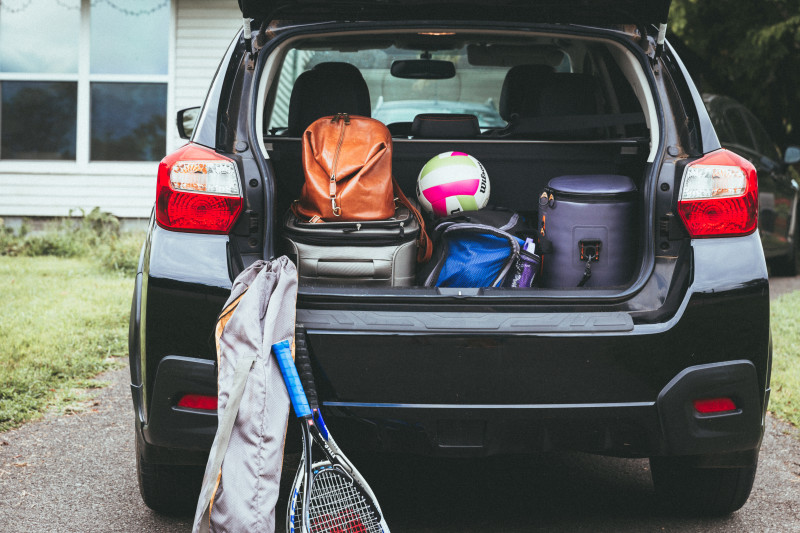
76	473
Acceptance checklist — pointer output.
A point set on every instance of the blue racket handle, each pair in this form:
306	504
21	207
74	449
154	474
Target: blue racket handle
283	353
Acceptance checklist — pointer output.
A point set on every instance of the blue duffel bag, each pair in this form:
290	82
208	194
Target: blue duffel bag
476	248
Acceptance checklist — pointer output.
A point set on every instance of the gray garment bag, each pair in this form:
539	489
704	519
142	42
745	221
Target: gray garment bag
242	477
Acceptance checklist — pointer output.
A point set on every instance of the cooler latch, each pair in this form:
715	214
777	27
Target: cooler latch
590	252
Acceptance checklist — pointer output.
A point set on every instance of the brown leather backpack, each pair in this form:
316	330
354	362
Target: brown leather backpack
347	160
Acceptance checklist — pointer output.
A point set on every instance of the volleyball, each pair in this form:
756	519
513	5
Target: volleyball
452	182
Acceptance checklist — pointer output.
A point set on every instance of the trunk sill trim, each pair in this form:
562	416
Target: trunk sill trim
460	322
491	406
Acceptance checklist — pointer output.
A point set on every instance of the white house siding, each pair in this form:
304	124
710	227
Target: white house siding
202	30
126	190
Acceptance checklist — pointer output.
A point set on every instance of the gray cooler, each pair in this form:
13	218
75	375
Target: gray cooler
588	219
373	253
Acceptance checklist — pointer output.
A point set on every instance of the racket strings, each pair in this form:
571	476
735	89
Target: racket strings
339	506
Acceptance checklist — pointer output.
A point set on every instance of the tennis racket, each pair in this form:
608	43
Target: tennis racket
328	495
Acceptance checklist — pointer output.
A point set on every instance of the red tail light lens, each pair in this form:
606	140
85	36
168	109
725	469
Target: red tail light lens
714	405
197	190
198	401
719	196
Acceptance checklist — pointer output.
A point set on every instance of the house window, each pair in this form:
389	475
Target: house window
83	80
38	84
38	119
39	37
140	107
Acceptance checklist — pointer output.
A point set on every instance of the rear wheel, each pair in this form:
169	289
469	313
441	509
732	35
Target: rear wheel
166	488
701	491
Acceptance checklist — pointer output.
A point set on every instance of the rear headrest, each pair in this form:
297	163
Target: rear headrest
518	95
569	94
445	126
327	89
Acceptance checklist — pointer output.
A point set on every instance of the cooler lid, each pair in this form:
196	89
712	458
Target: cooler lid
592	184
592	12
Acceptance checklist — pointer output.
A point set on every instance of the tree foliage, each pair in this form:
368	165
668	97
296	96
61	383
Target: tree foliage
749	50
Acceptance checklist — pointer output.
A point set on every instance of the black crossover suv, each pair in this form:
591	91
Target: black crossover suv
671	364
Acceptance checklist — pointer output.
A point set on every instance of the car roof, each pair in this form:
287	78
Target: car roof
592	12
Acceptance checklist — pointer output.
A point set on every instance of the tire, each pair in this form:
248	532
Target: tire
698	491
168	489
786	265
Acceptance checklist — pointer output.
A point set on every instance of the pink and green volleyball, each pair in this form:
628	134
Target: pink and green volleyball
452	182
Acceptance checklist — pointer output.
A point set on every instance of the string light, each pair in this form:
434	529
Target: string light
63	4
132	13
12	9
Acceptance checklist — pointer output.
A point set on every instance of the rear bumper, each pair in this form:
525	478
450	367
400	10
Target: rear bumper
495	382
667	426
429	383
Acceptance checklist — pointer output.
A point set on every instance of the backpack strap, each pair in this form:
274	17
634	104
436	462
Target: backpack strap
425	249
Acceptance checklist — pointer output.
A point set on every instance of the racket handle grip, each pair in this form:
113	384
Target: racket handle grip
303	363
283	353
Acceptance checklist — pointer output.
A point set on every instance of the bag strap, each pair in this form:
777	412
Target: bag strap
316	219
222	439
425	249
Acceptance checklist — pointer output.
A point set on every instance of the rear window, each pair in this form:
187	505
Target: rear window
481	66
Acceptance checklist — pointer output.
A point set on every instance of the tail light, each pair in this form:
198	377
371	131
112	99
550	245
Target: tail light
719	196
197	190
198	401
714	405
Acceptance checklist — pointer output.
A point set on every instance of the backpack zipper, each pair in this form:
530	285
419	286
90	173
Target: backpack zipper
337	211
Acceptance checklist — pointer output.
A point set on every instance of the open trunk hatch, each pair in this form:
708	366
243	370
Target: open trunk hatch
600	12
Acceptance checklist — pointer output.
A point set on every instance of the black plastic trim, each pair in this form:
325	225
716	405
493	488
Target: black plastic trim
688	432
628	430
173	427
708	136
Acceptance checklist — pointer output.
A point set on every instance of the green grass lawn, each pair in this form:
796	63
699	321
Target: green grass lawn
785	399
62	321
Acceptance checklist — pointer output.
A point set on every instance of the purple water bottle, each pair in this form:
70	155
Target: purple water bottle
527	265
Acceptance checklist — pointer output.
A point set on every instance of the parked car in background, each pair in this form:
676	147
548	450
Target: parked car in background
778	188
670	361
405	110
